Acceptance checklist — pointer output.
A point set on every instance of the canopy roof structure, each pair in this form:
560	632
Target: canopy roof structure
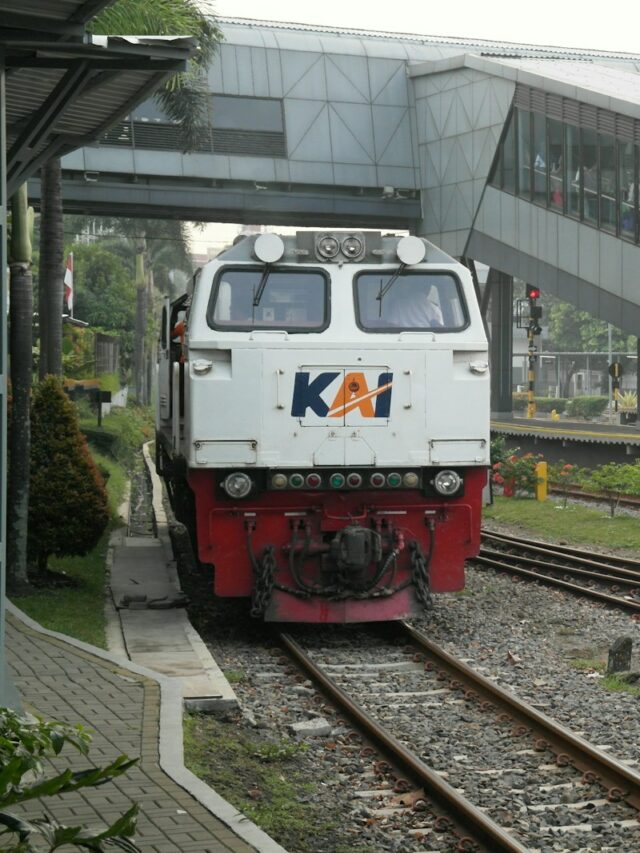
65	87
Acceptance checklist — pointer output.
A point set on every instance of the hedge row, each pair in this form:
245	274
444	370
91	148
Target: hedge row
577	407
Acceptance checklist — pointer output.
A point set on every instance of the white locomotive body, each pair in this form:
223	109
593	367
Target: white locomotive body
324	416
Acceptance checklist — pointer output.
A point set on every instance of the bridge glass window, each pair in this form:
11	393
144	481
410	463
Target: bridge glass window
570	166
412	301
589	171
540	159
607	159
572	170
259	114
508	181
627	189
248	299
556	165
524	154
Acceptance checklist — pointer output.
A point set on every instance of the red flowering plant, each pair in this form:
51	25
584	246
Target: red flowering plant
564	475
516	474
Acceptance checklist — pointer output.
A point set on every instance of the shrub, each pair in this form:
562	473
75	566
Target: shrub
564	475
543	404
628	402
586	407
517	474
548	404
615	480
68	509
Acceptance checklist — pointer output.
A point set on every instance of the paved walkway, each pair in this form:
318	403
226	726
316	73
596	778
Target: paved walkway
125	707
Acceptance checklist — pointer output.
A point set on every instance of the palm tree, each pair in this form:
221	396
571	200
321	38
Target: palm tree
183	98
20	343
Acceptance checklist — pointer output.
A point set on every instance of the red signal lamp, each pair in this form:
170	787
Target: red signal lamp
533	292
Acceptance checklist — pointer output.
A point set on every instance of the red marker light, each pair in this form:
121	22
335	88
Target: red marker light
533	292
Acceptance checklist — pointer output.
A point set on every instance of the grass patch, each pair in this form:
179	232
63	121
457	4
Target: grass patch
234	676
588	663
78	609
267	780
614	683
579	525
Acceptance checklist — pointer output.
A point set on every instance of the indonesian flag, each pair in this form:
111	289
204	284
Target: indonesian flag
68	283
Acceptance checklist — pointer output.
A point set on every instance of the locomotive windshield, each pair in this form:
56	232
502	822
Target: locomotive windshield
247	299
409	301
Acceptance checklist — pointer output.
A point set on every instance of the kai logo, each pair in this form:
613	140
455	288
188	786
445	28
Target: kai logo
334	393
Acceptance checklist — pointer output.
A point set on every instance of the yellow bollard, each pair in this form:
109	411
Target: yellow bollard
554	415
542	484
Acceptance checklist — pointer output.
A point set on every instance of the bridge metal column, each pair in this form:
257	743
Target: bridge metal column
501	348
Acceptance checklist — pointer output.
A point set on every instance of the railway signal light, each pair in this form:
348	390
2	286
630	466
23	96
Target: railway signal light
533	292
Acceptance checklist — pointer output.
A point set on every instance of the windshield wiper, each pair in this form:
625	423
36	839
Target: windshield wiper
384	290
263	283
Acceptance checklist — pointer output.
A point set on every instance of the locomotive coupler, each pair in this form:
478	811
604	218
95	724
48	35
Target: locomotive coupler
355	548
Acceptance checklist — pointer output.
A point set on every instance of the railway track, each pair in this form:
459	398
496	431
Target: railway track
490	770
609	579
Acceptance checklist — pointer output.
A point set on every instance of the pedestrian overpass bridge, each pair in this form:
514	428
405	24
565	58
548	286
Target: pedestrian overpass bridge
524	158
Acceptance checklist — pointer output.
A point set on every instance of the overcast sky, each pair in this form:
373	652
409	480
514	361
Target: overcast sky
606	26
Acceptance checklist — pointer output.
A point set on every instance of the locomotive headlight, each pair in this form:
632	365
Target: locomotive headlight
237	485
447	482
352	247
327	246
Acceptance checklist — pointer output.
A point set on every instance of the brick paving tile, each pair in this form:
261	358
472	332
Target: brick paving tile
121	709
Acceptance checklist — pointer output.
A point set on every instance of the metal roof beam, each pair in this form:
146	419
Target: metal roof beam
56	147
114	64
53	107
37	25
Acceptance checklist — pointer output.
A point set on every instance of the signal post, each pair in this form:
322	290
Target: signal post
528	317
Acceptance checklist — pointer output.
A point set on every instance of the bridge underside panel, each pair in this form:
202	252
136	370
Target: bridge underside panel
584	295
234	204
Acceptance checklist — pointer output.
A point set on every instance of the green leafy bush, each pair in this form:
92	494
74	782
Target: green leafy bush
517	474
564	475
548	404
26	742
68	507
586	407
615	480
543	404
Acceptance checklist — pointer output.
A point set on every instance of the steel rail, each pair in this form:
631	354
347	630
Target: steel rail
483	829
587	497
614	600
616	575
622	782
628	563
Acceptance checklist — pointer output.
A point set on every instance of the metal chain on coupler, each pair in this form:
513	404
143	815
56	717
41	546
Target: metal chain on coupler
420	576
264	581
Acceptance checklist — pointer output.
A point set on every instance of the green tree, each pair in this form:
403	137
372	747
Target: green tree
105	295
571	330
68	509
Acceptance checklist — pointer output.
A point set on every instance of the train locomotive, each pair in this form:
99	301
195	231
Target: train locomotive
323	423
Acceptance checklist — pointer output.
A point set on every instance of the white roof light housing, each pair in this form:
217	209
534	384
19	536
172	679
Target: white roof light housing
268	248
411	250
